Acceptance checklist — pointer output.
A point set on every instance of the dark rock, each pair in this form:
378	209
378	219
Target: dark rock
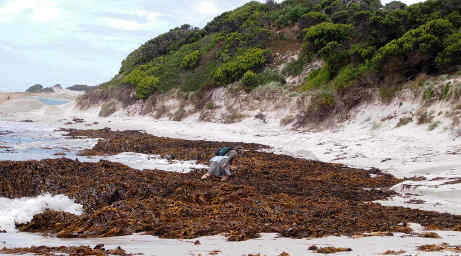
36	88
78	120
169	157
99	247
108	108
81	87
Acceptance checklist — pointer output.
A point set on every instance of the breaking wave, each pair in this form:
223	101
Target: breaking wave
22	210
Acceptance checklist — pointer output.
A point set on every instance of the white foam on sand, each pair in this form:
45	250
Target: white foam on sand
22	210
149	162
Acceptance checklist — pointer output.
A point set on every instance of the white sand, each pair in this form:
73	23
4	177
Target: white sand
268	244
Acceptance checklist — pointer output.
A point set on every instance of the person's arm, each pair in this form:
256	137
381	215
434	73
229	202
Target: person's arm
231	154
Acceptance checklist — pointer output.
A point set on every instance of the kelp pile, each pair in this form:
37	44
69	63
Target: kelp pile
329	249
72	250
268	193
114	142
440	248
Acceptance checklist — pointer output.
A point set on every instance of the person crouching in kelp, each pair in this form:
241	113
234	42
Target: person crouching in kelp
220	163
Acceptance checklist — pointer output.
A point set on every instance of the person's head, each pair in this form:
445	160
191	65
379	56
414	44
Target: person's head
239	149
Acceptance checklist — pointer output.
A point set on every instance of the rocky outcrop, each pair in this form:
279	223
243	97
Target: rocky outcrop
81	88
38	88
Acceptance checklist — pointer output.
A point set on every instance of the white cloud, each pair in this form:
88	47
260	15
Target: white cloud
12	8
124	24
40	10
151	17
207	7
45	14
149	21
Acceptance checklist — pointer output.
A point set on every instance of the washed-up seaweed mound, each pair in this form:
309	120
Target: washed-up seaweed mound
115	142
66	250
268	193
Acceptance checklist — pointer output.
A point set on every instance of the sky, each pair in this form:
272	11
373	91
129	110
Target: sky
84	41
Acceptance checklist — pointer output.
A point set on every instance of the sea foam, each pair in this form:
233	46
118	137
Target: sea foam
22	210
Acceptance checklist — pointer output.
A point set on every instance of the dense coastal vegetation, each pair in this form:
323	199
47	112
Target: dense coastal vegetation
360	43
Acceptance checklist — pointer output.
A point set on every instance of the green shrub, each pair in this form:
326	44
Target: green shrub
251	59
387	93
324	100
191	60
210	105
293	68
250	79
360	53
269	76
428	94
312	18
341	17
426	40
317	79
404	121
320	35
346	75
335	54
446	91
147	86
350	73
289	15
236	19
451	54
455	19
329	6
161	45
134	77
425	118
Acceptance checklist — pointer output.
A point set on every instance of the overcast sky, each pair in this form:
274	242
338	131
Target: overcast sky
84	41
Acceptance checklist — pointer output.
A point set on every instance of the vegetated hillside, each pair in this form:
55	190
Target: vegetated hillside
360	43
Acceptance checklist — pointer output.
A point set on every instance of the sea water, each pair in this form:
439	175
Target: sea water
52	101
21	141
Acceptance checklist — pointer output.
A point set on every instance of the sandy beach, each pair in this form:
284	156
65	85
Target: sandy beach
410	151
